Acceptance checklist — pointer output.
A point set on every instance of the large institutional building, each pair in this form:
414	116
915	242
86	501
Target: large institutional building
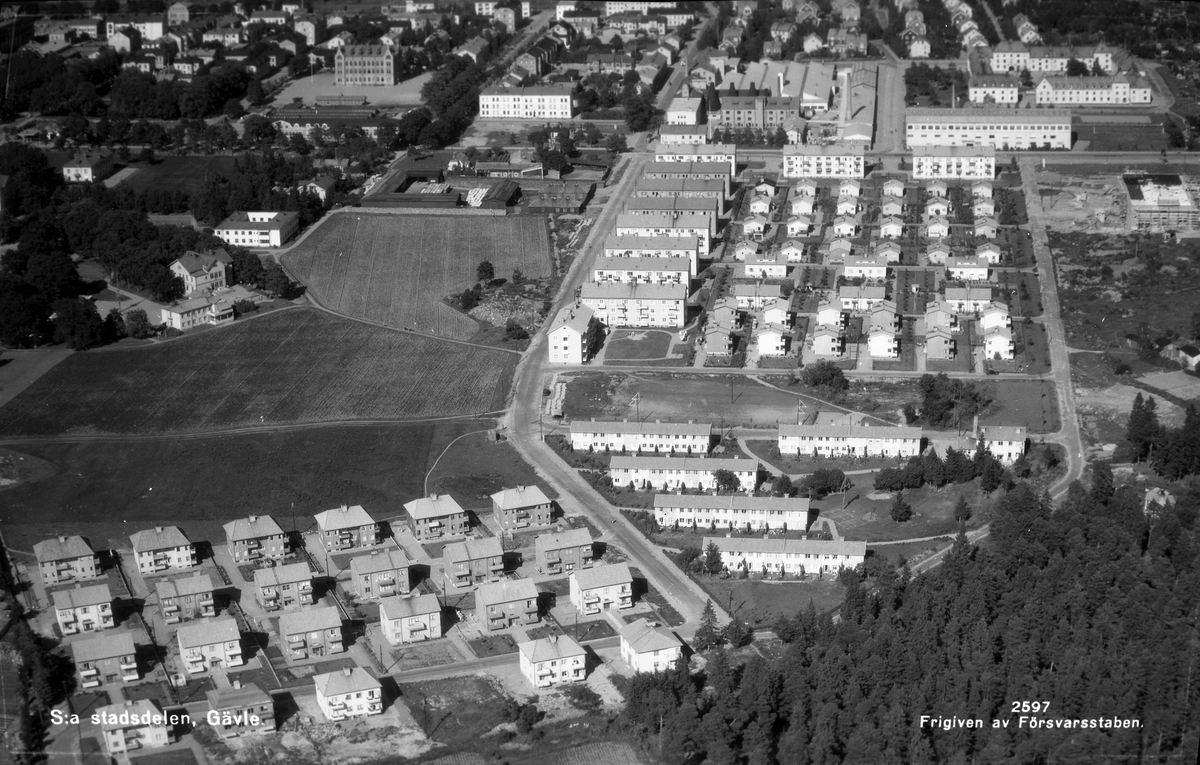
536	102
1158	203
989	126
359	65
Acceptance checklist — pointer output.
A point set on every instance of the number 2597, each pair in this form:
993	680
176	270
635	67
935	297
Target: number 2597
1030	706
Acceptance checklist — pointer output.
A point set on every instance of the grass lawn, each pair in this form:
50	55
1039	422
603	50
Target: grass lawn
760	603
173	757
106	491
179	173
396	269
767	451
475	468
1032	403
493	645
933	511
909	551
627	344
457	710
259	675
295	366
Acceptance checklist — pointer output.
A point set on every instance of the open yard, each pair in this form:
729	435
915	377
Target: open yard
396	270
178	173
760	603
294	366
455	711
638	344
1032	403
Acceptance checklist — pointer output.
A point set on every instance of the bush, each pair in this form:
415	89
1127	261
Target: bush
823	481
826	375
583	697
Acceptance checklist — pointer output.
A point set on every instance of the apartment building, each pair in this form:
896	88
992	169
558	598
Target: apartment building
1060	90
657	436
655	248
686	188
66	559
647	647
210	645
641	271
675	473
87	167
352	692
347	527
552	660
563	552
84	609
256	538
411	620
1012	56
989	126
677	171
970	298
202	272
133	725
240	709
311	633
533	102
473	561
824	161
709	152
381	574
620	304
435	517
186	599
572	336
284	588
163	548
357	66
522	507
683	134
849	440
601	588
963	162
258	229
105	659
790	556
731	511
697	227
505	603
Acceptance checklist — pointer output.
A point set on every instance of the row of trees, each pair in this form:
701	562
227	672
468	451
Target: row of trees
956	468
1174	452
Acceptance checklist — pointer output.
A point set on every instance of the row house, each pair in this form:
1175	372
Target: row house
474	561
552	660
163	548
350	692
105	659
704	170
642	271
699	188
849	440
940	314
862	266
754	297
940	343
411	620
506	603
657	436
620	304
210	644
731	511
133	725
347	527
381	574
240	709
186	599
312	633
84	609
970	298
966	268
521	507
654	247
649	647
435	517
256	538
284	588
676	473
861	297
791	556
563	552
572	336
600	588
66	558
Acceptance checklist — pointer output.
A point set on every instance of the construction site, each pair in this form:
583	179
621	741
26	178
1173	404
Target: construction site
1135	200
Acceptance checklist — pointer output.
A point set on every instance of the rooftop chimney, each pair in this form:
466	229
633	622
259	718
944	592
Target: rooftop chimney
345	508
433	497
254	519
62	538
158	529
346	671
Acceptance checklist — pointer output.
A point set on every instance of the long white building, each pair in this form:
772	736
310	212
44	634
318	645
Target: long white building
674	473
731	511
849	440
654	247
970	162
792	556
1013	56
571	336
709	152
691	225
619	304
535	102
989	126
642	270
657	436
831	161
1060	90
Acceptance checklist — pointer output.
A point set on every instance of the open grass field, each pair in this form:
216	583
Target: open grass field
638	344
1032	403
295	366
178	173
106	491
395	270
760	603
474	468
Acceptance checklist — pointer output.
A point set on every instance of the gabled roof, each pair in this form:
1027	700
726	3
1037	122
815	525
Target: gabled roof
473	549
344	517
521	496
656	428
159	538
379	560
254	527
1002	433
603	576
81	597
249	695
795	546
403	608
550	648
642	637
349	680
188	585
62	548
211	632
507	591
104	646
564	539
277	575
316	619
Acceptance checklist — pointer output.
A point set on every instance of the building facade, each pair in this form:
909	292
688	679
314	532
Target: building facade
990	126
617	304
649	648
84	609
349	693
258	229
66	559
563	552
256	538
790	556
824	161
849	441
284	588
600	588
364	65
731	511
382	574
675	473
521	507
346	528
552	660
210	645
311	633
657	436
105	659
186	599
473	561
435	517
506	603
162	548
535	102
411	620
962	162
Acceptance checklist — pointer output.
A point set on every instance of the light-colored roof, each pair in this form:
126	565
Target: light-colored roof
521	496
473	549
349	680
254	527
210	632
550	648
142	708
104	646
577	318
82	596
704	464
1002	432
160	538
954	151
603	576
344	517
848	431
62	548
277	575
794	546
731	501
688	244
658	427
563	539
633	291
507	591
643	637
188	585
316	619
240	221
249	695
433	506
996	115
403	608
379	560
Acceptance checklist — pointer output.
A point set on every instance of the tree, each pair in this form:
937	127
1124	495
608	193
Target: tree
552	159
77	324
823	481
727	482
485	272
514	331
146	155
707	636
825	375
1142	431
962	511
1102	482
1026	79
1196	325
641	113
1076	68
901	511
991	477
527	718
713	564
137	324
468	299
616	143
782	487
738	634
114	326
277	282
517	276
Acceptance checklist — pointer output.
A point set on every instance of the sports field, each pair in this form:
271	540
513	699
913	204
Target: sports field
292	366
396	269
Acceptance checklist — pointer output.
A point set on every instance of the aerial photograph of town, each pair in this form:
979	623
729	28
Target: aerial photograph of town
600	382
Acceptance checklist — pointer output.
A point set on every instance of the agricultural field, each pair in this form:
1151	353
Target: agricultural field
295	366
178	173
396	270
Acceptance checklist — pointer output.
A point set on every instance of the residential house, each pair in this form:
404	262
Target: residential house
66	559
505	603
766	265
937	188
789	556
937	228
256	538
969	298
967	268
893	188
846	205
891	228
862	266
890	251
845	226
939	313
347	528
240	709
186	599
381	574
284	588
473	561
998	344
755	226
321	187
919	47
752	297
1005	442
883	343
772	340
161	549
986	227
794	251
311	633
209	645
891	207
435	517
552	660
778	311
202	272
566	551
829	314
602	587
939	343
125	41
572	336
648	647
521	507
828	342
860	297
937	207
83	609
133	725
88	166
937	252
981	190
849	440
411	620
105	659
675	473
760	205
988	251
351	692
983	208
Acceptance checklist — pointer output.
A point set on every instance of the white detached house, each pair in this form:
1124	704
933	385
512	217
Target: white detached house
647	647
552	660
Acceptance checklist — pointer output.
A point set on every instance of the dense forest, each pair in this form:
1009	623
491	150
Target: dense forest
1090	606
